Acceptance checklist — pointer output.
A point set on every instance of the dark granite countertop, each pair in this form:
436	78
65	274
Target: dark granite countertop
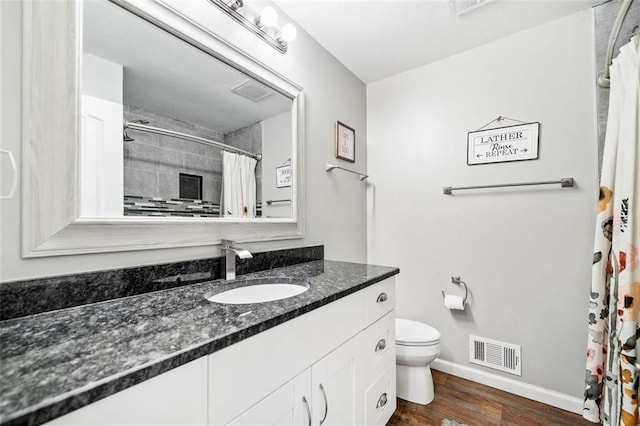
55	362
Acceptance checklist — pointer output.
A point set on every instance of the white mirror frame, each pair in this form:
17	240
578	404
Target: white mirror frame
51	222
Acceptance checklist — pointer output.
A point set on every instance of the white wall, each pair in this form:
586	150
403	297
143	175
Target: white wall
102	161
335	206
276	150
524	252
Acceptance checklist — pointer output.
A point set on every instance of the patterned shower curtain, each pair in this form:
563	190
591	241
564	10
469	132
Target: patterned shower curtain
612	365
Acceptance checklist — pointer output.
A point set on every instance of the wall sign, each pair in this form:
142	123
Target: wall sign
498	145
283	176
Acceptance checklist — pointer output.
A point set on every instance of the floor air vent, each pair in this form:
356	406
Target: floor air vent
493	354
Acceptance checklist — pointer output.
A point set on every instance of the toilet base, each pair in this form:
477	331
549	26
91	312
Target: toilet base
414	384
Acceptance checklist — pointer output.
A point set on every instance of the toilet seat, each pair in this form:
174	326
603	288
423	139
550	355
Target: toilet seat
414	333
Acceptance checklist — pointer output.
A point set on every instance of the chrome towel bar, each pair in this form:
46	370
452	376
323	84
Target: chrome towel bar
269	202
564	183
329	167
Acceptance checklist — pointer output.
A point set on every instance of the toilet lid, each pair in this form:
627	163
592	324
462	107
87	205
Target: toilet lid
409	332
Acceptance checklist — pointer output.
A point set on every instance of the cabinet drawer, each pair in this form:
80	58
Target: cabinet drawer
378	346
379	299
381	398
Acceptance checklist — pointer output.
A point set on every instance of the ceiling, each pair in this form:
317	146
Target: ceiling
165	75
376	39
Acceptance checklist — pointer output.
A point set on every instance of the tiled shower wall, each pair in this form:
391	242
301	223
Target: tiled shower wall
250	139
605	15
152	163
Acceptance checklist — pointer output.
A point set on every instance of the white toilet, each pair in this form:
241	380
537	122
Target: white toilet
417	345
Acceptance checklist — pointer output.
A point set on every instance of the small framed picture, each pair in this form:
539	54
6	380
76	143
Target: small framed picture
345	142
283	176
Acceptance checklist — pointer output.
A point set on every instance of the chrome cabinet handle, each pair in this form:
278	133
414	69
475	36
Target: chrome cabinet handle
14	171
326	404
382	345
306	406
382	297
382	401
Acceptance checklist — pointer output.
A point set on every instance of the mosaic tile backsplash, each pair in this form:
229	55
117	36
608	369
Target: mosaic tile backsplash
158	206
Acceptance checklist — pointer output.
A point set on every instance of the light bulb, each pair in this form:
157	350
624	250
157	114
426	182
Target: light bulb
269	17
235	4
289	32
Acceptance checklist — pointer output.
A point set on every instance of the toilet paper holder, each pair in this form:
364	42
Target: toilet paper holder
457	280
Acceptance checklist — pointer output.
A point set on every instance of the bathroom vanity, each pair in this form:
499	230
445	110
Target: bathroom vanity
325	356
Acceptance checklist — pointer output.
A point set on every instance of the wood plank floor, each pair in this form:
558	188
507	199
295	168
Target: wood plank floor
473	404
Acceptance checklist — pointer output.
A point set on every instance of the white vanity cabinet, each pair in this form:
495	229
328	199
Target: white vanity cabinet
378	354
337	384
332	366
288	405
178	396
326	393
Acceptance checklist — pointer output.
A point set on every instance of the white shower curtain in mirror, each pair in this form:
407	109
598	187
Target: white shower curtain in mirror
611	394
238	185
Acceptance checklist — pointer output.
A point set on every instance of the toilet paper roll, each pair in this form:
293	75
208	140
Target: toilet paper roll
453	302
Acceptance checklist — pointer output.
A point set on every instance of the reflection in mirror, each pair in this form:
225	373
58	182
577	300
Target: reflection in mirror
200	138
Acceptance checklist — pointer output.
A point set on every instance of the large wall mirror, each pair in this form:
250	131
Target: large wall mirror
150	131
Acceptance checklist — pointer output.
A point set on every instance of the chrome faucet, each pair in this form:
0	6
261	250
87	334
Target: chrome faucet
229	267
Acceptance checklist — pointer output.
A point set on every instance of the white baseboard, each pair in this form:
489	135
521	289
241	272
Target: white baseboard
537	393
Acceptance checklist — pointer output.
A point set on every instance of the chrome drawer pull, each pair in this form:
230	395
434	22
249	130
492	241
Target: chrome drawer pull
382	297
306	405
382	345
382	401
326	404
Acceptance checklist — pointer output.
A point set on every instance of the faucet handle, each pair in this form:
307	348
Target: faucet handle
226	243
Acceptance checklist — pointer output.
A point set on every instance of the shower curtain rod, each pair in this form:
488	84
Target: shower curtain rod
604	78
564	183
150	129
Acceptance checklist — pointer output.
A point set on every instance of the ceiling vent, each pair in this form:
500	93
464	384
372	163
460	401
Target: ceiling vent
252	90
459	7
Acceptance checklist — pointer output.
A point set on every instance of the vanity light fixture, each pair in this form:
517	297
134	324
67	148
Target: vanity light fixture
262	25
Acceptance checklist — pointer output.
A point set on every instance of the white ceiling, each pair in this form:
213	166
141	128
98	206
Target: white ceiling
376	39
165	75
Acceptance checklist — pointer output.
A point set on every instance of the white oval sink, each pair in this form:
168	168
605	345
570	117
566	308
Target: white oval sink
259	290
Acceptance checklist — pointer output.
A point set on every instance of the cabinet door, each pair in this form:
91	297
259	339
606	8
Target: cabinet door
337	387
243	374
286	406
